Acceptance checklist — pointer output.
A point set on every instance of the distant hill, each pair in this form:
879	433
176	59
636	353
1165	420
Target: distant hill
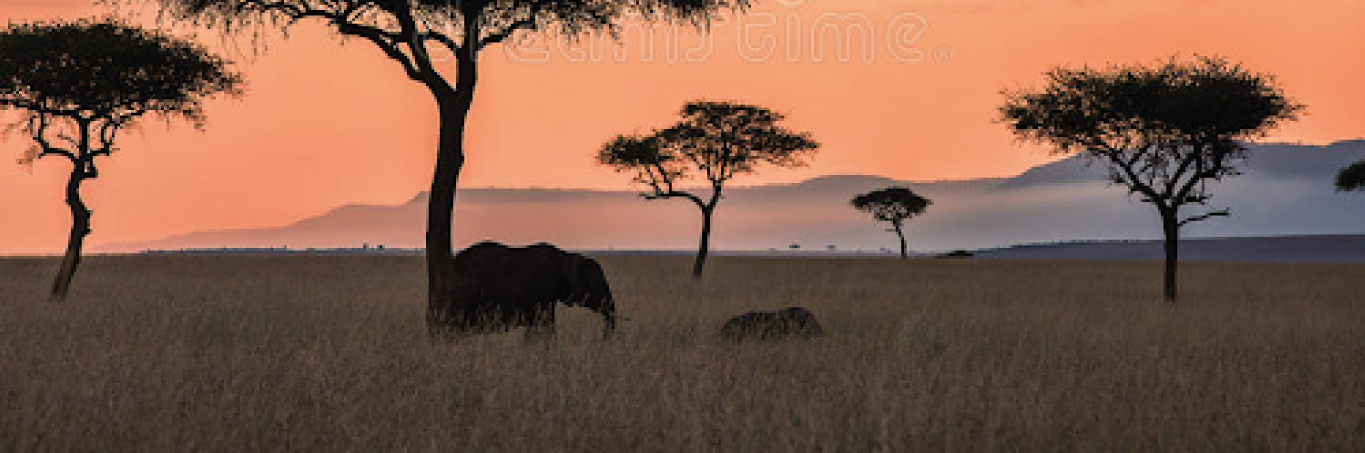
1281	249
1286	191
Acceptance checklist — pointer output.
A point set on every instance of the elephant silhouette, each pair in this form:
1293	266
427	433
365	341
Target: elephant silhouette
771	325
498	288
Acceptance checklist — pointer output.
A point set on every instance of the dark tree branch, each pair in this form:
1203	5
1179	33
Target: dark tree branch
472	15
1191	159
86	161
726	158
448	42
1205	216
676	194
668	177
38	124
502	35
346	20
1214	171
58	152
70	141
657	179
423	70
292	12
716	190
347	23
109	132
386	42
1134	183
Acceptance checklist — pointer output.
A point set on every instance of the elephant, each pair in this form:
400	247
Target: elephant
771	325
498	288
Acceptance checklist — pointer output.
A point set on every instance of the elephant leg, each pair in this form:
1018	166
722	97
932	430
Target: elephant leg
542	325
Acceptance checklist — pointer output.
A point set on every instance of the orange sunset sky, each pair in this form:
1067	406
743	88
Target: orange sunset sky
914	98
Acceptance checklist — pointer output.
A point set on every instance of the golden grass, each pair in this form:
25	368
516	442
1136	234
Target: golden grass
187	353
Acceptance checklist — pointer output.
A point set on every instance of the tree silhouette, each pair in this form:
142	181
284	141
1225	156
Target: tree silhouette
1352	177
893	205
1164	132
78	84
719	140
408	31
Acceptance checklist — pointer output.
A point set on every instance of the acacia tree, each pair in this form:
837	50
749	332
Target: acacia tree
719	140
1352	177
407	32
1165	132
78	84
893	205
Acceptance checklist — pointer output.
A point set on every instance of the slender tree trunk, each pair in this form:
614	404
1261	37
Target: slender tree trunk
80	227
454	104
1170	226
905	253
704	247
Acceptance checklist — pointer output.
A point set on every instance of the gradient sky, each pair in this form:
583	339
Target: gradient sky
325	124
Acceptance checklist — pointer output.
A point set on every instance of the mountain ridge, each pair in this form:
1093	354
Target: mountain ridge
1286	190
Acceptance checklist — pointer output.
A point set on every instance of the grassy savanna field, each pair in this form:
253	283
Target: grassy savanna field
326	353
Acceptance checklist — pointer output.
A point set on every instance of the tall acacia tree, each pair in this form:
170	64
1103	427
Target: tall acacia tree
893	205
78	84
1165	132
720	140
407	31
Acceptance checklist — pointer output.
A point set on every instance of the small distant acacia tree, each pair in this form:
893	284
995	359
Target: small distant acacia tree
78	84
418	35
719	140
893	205
1352	177
1165	132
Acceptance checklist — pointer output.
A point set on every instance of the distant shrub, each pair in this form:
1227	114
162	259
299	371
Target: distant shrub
955	254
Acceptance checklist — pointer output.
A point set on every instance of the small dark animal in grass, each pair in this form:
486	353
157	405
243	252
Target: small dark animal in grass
956	254
794	322
501	287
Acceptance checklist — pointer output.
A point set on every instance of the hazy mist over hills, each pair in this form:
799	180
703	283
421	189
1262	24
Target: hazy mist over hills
1286	190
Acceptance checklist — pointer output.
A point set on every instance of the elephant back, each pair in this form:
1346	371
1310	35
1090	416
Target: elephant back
515	275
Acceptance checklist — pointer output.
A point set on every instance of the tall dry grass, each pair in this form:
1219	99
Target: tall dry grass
192	353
